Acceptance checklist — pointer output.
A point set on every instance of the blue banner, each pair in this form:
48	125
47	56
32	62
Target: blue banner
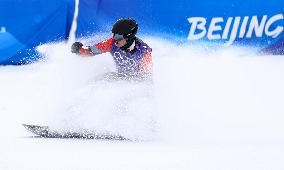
26	24
251	23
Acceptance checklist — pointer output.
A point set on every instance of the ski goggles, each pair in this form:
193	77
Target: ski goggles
118	37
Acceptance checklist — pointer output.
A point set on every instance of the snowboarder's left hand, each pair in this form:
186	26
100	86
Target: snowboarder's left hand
76	46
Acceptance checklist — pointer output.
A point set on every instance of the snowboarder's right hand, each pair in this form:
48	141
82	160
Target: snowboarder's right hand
76	46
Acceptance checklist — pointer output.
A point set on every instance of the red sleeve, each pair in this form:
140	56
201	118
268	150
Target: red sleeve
146	63
105	46
84	51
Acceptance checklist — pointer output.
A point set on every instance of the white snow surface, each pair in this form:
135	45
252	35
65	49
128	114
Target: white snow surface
207	109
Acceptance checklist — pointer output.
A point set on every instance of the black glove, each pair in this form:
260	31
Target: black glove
75	48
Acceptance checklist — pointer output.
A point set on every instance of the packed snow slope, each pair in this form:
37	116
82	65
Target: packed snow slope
206	109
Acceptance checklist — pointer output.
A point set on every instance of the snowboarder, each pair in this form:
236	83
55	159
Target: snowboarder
131	55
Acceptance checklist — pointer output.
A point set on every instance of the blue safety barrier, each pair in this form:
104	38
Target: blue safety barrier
26	24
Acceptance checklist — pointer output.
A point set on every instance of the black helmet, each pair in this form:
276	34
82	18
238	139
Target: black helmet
127	28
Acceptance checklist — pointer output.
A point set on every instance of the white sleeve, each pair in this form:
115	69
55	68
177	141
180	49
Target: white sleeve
94	50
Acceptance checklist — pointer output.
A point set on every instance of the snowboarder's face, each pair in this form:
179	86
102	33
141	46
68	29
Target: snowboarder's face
119	40
120	43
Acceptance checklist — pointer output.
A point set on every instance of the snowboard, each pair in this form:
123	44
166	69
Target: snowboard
47	132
